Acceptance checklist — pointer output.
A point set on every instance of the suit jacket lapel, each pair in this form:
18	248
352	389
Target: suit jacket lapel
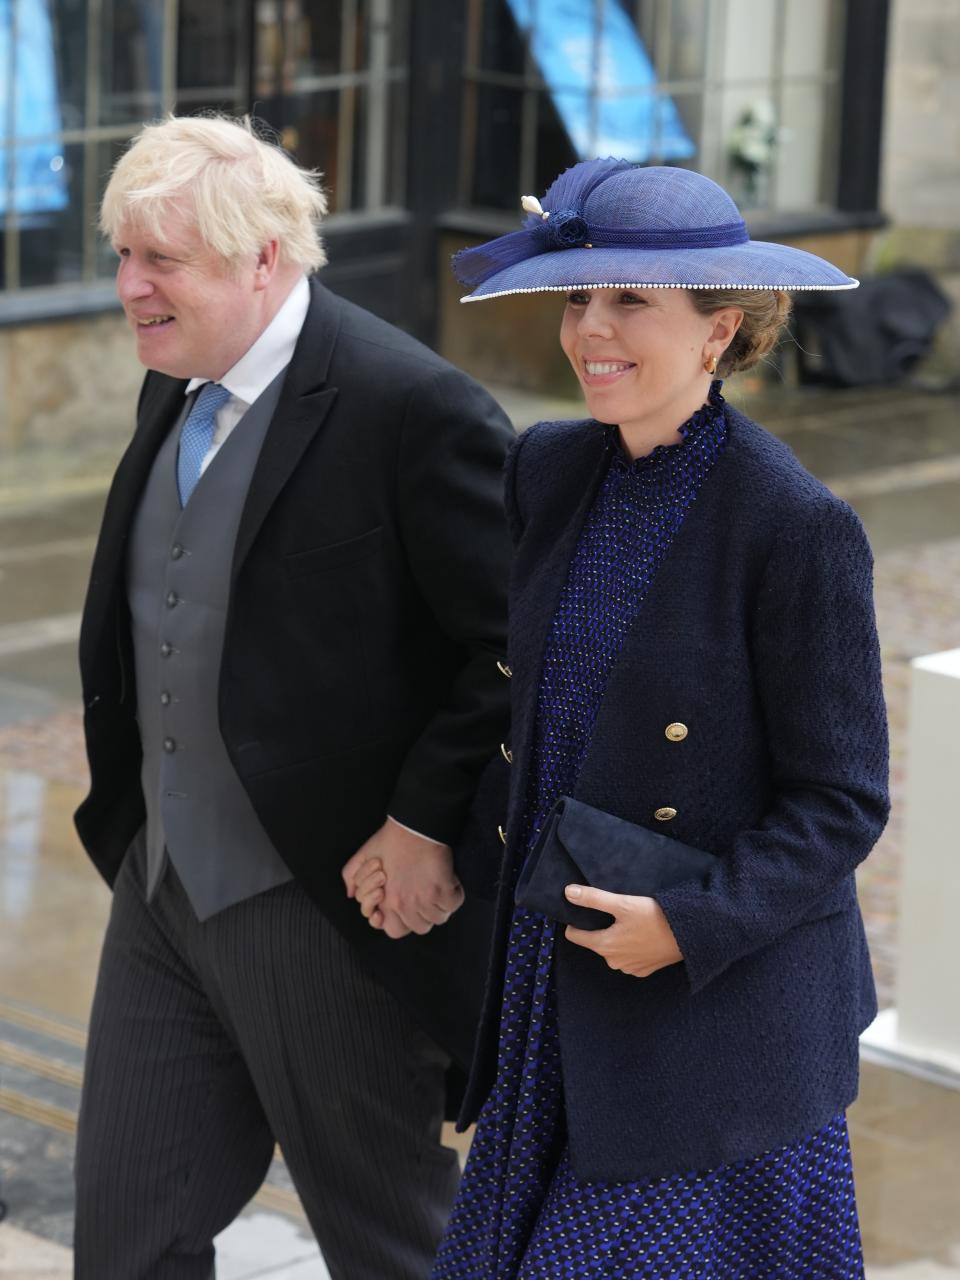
304	403
161	403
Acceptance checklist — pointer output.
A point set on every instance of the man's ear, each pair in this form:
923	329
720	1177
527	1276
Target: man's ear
267	261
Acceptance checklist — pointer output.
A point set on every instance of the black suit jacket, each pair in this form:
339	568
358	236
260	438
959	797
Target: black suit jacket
367	614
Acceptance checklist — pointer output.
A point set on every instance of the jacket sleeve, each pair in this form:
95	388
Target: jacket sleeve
817	669
450	504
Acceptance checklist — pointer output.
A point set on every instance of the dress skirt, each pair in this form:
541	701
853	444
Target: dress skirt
521	1214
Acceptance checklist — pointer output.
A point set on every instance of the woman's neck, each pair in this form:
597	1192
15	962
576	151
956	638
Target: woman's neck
642	435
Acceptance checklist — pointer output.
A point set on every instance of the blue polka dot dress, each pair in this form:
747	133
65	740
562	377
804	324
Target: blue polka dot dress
521	1214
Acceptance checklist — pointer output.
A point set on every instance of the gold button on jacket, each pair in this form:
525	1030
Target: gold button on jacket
665	814
502	834
676	732
504	669
506	753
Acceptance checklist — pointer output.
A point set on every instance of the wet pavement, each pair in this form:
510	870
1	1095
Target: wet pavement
895	455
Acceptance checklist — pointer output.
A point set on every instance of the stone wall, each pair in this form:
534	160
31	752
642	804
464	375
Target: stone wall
921	149
921	153
69	394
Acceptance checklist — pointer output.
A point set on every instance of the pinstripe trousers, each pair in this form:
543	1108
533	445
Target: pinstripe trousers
208	1042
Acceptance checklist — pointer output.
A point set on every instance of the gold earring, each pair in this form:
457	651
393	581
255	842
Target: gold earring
710	364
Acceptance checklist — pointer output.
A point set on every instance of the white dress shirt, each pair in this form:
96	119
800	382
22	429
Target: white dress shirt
257	367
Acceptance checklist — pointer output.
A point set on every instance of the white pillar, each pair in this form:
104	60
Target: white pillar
924	1029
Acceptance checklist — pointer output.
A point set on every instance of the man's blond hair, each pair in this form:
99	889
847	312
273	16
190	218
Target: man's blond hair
243	191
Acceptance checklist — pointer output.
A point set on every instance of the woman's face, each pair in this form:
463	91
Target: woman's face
639	356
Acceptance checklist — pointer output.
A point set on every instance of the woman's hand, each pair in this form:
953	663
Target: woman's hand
370	891
639	941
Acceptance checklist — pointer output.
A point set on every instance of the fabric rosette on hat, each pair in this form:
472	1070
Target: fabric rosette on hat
612	224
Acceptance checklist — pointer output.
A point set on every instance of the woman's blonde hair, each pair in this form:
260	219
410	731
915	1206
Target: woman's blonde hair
765	314
243	190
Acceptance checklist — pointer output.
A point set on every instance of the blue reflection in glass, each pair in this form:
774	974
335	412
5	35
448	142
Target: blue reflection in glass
612	116
29	108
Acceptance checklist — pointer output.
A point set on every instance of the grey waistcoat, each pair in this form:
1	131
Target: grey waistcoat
178	582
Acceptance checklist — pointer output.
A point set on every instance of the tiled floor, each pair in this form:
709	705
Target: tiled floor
896	456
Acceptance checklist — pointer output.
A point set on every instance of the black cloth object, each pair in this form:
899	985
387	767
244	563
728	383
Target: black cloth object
583	845
871	336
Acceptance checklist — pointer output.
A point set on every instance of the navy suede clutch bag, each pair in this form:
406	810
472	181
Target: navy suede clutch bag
583	845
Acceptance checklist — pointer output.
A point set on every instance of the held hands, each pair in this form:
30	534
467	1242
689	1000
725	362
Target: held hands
403	882
639	942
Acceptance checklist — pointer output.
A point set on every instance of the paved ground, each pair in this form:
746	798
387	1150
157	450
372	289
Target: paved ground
894	455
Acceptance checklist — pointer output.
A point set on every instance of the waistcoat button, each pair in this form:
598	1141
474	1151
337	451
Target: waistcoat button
165	698
176	551
166	649
665	814
172	599
169	744
676	732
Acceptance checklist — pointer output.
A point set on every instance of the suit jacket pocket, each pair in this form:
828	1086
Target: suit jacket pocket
333	555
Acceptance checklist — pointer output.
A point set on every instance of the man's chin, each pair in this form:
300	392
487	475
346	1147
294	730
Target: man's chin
154	351
157	363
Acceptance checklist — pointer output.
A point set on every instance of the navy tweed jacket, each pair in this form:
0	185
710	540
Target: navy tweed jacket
758	634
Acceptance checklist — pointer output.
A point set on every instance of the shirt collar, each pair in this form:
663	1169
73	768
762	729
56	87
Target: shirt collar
271	352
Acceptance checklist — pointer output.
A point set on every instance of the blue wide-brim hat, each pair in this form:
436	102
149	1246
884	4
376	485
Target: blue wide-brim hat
611	224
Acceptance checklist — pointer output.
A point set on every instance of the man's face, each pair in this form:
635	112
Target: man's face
194	314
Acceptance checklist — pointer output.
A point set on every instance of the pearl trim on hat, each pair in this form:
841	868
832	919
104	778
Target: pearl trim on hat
623	284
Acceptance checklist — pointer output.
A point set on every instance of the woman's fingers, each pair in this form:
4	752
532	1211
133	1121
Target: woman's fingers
585	895
372	876
370	903
356	866
640	940
370	891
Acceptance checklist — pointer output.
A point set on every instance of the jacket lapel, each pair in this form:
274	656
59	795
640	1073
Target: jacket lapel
544	567
160	405
304	404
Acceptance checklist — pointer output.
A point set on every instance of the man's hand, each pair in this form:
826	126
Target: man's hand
411	888
639	942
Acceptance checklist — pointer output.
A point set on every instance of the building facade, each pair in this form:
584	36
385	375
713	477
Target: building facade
921	157
428	119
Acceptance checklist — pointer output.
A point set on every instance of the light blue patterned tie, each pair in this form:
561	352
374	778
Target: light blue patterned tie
196	437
